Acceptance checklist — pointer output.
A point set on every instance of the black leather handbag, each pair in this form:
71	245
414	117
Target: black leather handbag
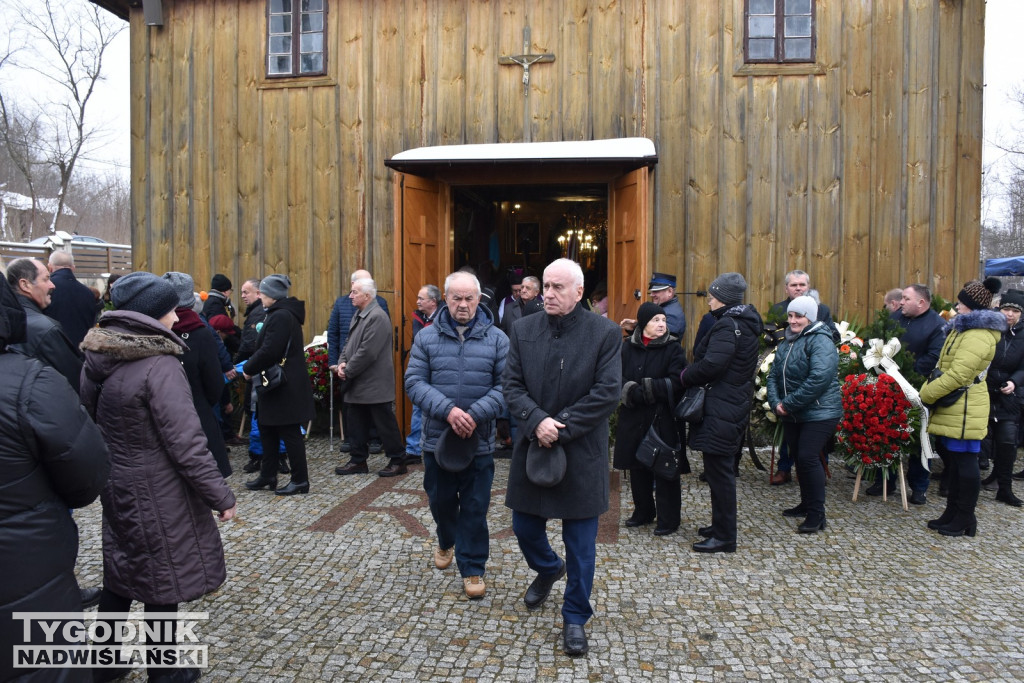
661	458
273	377
691	405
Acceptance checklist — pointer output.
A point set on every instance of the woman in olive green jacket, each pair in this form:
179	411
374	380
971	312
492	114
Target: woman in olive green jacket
960	427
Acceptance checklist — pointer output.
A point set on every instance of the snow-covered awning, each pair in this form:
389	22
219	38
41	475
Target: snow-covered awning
639	151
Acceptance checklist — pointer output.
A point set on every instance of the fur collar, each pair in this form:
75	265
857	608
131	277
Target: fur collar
983	319
636	339
125	346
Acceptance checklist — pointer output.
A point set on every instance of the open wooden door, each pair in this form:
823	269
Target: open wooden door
627	236
422	256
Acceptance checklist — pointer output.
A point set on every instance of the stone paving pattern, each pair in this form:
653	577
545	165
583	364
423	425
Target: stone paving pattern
340	585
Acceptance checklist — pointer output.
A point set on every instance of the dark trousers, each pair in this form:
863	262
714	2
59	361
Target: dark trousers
655	497
580	538
271	437
164	615
964	482
1001	443
380	415
458	503
720	471
806	442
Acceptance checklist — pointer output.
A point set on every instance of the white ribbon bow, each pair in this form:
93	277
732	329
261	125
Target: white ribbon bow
879	357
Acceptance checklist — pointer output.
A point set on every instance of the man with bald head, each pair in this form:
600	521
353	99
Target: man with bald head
337	335
72	304
562	381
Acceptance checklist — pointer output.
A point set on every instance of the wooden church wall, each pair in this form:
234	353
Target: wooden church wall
864	171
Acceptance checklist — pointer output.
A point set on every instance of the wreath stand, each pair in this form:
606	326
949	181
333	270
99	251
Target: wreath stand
885	484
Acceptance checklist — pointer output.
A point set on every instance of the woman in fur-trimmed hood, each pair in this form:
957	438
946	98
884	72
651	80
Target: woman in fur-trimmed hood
960	427
161	545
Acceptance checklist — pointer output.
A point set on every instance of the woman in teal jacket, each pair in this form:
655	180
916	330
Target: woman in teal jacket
803	389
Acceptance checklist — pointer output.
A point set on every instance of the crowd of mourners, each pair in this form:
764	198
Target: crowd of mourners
135	397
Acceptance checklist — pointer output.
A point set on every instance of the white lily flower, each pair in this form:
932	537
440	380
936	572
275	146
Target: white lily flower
761	394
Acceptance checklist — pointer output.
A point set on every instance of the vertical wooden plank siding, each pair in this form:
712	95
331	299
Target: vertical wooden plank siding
919	122
231	240
824	164
448	45
606	60
887	156
968	142
204	247
702	136
183	100
355	41
864	170
732	172
944	253
481	62
571	60
857	150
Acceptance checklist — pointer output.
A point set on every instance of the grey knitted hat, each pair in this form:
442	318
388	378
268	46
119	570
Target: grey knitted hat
276	286
144	293
728	288
184	286
805	306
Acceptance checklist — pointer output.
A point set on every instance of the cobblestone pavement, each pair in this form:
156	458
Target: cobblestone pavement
339	585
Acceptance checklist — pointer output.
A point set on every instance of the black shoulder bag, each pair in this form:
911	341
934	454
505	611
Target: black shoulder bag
273	377
659	457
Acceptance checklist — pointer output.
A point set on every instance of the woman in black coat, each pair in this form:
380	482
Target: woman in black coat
652	361
724	362
280	412
1005	382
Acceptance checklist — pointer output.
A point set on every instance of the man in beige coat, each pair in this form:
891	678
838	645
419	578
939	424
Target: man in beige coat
368	370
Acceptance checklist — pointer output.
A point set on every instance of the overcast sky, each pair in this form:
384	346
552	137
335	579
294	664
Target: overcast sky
1003	73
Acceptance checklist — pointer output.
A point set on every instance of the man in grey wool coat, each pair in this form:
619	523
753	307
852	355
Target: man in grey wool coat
562	382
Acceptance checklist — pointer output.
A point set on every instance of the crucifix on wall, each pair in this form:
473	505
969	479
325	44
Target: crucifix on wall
526	60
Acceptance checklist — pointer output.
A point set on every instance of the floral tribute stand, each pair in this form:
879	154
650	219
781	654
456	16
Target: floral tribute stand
879	412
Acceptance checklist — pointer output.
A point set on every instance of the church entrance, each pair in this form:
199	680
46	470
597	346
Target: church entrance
508	208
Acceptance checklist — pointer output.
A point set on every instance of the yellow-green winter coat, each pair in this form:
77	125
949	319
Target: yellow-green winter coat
967	353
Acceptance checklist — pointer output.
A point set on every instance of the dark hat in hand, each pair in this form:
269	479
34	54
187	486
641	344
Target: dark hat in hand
545	466
453	453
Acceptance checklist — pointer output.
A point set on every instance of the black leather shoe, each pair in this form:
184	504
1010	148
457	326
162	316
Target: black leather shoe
1004	496
375	446
345	447
261	483
176	676
292	488
918	498
633	522
798	511
252	466
352	468
705	531
411	459
90	597
1018	475
393	470
105	675
812	524
283	468
713	545
660	531
574	640
875	489
539	590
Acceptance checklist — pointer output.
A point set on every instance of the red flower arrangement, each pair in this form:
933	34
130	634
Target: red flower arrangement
319	377
877	424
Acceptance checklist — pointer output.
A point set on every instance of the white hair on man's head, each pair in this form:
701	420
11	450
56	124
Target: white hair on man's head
792	273
61	259
535	281
462	275
366	286
569	265
360	275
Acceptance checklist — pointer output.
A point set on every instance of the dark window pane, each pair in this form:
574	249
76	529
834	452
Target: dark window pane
798	6
281	23
278	6
312	63
280	45
762	6
796	49
761	27
798	27
280	64
761	49
312	22
312	5
312	42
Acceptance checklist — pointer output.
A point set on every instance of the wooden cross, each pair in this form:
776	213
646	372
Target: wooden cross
526	60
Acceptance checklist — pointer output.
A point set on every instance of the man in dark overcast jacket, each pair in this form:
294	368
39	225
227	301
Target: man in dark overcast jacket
72	304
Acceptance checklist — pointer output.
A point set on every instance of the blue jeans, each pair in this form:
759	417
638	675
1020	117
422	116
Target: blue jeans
580	538
412	442
458	503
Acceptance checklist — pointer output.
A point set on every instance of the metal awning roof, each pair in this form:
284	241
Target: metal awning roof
633	151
